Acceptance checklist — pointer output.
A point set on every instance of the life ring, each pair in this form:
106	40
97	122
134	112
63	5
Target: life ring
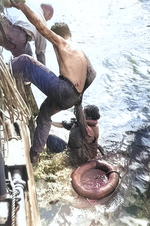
95	179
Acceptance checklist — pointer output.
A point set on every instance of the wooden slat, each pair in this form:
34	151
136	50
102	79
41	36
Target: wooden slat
35	221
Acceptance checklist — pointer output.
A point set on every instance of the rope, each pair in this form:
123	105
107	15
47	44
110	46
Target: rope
12	100
13	213
113	171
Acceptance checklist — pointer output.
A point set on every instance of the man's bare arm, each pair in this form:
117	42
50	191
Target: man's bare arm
57	124
80	116
34	19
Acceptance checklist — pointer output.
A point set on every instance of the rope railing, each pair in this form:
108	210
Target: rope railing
12	100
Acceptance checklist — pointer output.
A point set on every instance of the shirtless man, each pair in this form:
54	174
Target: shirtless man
63	92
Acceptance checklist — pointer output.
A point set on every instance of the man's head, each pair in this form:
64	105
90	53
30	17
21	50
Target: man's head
92	112
61	29
47	11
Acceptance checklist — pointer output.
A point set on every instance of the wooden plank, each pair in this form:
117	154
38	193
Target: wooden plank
35	221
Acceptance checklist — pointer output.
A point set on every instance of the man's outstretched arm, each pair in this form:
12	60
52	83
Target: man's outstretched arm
34	19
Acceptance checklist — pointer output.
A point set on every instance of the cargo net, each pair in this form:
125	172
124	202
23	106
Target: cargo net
10	98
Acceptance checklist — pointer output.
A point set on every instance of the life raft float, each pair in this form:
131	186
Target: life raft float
95	179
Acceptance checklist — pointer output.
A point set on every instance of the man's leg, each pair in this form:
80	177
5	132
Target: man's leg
12	37
4	42
48	108
35	72
55	144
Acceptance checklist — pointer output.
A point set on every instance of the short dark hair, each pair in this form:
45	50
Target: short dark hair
92	112
61	29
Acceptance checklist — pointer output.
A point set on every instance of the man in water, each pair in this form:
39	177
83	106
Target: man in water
83	137
16	31
63	92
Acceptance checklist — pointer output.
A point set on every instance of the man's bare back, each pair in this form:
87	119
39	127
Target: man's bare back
72	64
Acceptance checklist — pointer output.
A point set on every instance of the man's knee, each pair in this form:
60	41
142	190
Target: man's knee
20	61
24	57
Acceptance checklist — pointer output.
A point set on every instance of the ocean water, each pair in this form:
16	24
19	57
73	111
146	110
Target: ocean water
115	35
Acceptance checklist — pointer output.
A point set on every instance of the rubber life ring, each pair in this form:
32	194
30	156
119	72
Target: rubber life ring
94	187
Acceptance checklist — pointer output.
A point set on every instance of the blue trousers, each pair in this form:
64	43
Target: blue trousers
56	144
61	94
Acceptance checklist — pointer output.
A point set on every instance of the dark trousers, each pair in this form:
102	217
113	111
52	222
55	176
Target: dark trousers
55	144
12	37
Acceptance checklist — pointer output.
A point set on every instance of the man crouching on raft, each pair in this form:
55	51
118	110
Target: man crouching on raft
63	92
